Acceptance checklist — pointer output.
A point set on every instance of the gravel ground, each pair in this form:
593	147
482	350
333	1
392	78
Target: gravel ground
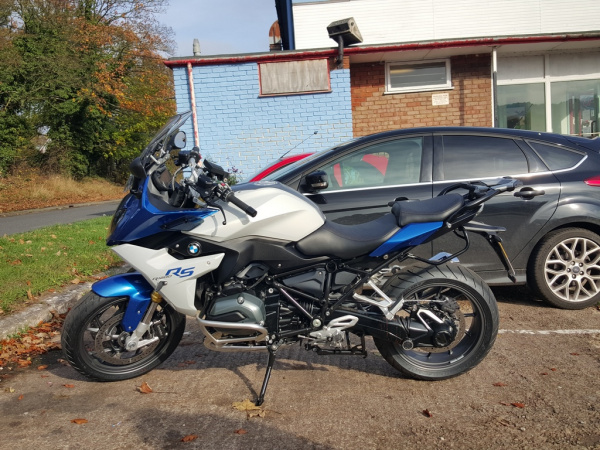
538	388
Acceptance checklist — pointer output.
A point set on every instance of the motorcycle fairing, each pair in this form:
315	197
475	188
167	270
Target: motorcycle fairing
410	235
137	218
131	285
173	278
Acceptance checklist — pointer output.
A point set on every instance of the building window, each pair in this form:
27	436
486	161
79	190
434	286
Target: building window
522	106
576	107
294	77
558	93
418	76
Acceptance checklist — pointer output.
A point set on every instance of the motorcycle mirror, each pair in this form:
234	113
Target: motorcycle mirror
317	181
137	168
177	141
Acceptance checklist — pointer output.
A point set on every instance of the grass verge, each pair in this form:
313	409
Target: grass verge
35	189
50	258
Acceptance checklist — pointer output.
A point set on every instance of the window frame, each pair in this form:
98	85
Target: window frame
424	88
440	166
425	161
263	67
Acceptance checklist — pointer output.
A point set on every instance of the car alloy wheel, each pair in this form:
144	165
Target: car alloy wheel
566	268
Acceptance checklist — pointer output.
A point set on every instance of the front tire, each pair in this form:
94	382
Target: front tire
565	268
92	339
477	319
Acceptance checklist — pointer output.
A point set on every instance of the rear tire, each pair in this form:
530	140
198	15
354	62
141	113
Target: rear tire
564	269
478	325
92	339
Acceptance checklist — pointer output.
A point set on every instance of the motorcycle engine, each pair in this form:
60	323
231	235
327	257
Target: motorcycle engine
241	308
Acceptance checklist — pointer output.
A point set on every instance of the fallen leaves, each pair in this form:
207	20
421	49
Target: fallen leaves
500	384
145	388
79	421
240	431
189	438
18	351
427	413
251	409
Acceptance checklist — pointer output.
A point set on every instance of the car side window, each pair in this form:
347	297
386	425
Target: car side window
471	157
556	158
383	164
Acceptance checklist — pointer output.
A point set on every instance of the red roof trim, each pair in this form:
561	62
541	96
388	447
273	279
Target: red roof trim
327	53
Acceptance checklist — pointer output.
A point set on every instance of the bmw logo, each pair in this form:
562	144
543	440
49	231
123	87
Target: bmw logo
194	248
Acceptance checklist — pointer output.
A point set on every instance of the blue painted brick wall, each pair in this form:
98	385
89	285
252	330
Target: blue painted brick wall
239	129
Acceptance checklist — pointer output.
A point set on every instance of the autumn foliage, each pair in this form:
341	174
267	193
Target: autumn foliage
83	84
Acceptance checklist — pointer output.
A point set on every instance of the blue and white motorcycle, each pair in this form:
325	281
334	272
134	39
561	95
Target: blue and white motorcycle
259	266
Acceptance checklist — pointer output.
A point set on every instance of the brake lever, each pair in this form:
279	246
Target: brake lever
220	208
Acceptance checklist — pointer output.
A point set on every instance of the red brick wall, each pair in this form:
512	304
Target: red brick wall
470	100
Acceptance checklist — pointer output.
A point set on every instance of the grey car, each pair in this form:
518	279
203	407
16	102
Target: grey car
552	222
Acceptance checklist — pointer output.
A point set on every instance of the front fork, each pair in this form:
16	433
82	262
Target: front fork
143	301
135	341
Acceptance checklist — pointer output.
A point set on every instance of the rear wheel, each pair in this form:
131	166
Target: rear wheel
474	315
93	339
565	268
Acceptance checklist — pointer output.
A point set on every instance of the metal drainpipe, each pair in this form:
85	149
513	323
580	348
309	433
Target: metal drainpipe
495	87
193	101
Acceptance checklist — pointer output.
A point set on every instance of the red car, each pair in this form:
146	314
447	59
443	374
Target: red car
379	162
278	164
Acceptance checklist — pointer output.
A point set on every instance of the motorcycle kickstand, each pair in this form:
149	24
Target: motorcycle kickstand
261	397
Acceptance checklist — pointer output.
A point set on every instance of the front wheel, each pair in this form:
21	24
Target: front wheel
93	339
455	294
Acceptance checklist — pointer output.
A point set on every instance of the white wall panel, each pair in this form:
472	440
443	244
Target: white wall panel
575	64
520	68
394	21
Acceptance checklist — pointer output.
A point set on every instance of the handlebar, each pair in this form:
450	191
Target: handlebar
231	198
211	188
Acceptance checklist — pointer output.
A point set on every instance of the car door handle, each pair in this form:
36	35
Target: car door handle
527	193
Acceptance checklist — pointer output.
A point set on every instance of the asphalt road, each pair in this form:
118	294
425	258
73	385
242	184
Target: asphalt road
30	220
537	389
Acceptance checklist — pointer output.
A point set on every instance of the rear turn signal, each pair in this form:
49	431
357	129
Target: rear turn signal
594	181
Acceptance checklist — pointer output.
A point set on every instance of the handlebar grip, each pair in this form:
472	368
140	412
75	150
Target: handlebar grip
240	204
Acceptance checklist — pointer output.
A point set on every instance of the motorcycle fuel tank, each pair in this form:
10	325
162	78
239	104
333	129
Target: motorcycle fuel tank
282	214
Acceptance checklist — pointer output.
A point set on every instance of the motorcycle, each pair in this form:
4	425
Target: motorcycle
259	266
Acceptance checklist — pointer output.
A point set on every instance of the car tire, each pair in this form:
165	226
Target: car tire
564	269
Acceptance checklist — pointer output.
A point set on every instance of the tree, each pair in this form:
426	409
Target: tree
87	73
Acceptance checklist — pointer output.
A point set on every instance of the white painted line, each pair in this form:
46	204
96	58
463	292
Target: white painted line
547	332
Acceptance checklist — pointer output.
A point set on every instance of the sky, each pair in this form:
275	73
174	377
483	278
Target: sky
222	26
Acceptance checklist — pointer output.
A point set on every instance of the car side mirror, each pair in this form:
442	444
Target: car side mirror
316	181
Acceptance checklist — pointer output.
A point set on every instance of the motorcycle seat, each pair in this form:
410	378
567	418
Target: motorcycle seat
436	209
350	241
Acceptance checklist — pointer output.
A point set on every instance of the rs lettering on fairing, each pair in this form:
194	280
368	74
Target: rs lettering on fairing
180	272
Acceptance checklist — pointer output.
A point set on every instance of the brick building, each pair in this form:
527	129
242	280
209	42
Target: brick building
533	65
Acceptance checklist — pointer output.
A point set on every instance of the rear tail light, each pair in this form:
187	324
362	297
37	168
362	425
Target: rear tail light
594	181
